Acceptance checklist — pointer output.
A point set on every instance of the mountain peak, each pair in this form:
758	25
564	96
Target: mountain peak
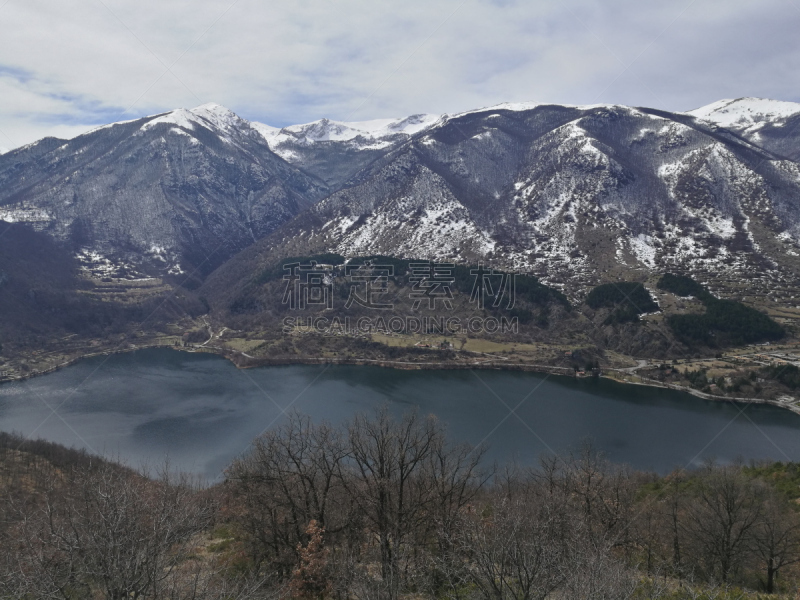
219	116
343	131
526	106
745	113
212	107
211	116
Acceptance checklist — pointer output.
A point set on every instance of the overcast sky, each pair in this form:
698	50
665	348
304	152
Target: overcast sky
68	65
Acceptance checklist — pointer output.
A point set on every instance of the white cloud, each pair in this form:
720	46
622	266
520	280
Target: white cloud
66	66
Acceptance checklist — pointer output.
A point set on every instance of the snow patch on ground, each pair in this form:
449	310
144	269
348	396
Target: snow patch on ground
177	131
24	215
482	136
642	247
94	263
440	228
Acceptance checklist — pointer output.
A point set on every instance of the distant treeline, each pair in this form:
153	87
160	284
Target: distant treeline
56	455
724	323
278	271
684	286
628	299
527	287
516	295
788	375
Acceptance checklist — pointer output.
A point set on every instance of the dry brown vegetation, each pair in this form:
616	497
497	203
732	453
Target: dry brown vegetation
389	508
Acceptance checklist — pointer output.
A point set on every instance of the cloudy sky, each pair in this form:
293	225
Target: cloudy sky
68	65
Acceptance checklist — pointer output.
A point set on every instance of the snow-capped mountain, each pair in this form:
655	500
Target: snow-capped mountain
335	150
378	132
771	124
167	193
577	195
746	115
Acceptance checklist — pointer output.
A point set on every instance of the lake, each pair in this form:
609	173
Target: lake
201	411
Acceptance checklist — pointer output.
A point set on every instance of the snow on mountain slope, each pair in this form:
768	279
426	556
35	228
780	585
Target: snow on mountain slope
427	220
213	117
528	106
171	192
335	151
567	192
746	114
572	194
771	124
375	133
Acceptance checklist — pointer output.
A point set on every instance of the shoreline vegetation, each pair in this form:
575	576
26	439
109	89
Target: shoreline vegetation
241	360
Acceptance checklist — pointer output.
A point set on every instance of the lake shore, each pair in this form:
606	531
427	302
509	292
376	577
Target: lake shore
244	361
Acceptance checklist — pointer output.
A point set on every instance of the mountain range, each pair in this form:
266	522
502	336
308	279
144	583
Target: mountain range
575	195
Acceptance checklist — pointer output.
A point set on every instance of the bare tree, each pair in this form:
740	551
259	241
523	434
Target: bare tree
674	509
657	528
648	532
722	518
776	538
290	477
453	475
595	574
603	493
386	482
515	549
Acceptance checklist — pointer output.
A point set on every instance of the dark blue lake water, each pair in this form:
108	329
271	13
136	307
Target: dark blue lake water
201	411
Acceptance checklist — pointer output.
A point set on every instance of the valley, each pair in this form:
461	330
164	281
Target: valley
175	230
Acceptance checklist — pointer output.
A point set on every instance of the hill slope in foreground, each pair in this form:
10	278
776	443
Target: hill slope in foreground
304	509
